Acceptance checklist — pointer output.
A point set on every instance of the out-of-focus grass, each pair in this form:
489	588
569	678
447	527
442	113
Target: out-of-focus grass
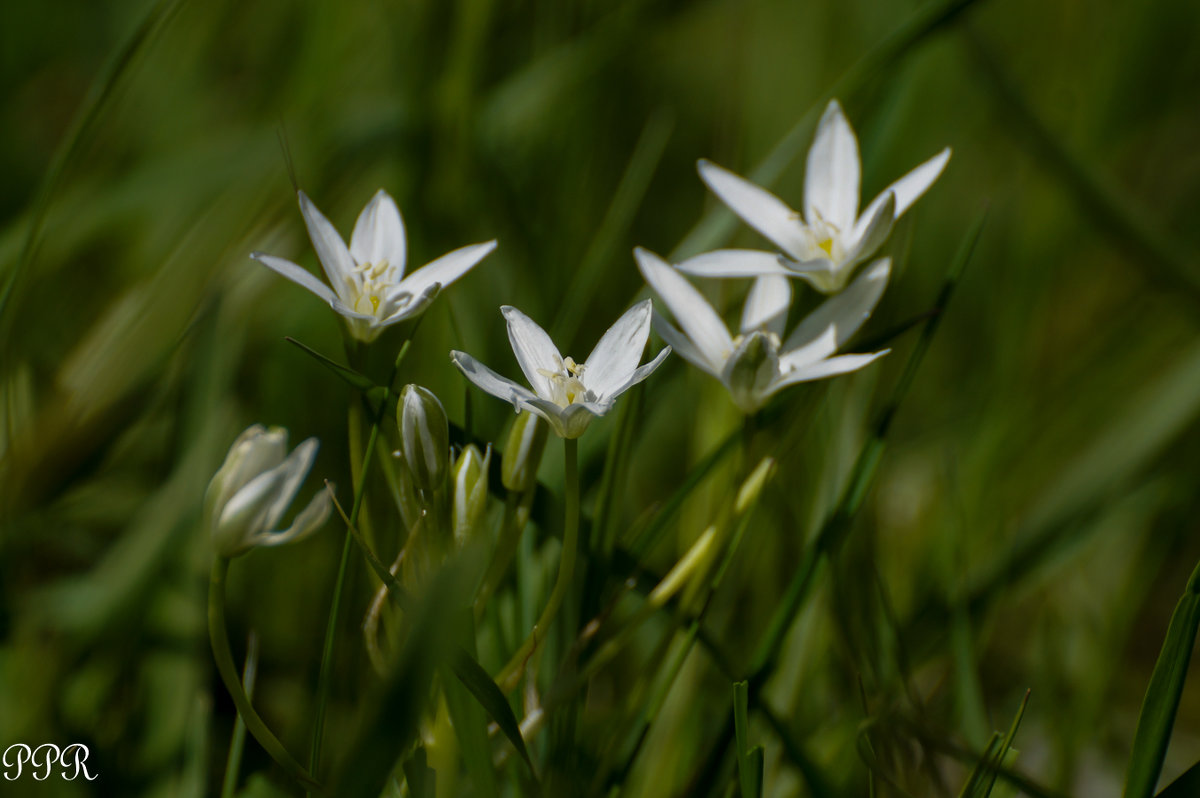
1032	523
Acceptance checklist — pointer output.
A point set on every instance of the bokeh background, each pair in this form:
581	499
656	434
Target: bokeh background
1034	517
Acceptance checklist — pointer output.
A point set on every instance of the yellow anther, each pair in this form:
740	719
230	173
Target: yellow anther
374	303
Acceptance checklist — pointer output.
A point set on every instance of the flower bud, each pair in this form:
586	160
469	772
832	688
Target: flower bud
424	436
470	491
751	369
523	453
254	486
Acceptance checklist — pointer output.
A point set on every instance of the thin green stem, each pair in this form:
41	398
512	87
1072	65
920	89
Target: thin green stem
507	677
237	742
360	480
506	545
219	637
335	609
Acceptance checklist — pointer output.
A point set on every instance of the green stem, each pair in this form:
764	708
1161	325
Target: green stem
516	513
566	568
237	742
219	637
331	625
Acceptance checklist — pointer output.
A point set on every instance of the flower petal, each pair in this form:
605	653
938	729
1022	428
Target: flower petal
331	250
909	188
757	207
735	263
379	235
641	373
293	470
616	356
841	364
683	346
489	381
767	304
447	268
843	313
406	306
691	310
535	351
297	275
873	233
831	179
307	521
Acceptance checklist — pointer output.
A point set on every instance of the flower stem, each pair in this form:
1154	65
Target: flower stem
237	742
219	637
507	678
338	588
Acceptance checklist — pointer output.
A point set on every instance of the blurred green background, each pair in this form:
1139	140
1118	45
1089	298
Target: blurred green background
1033	522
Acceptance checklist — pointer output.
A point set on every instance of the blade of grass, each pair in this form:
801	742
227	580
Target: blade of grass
1157	717
488	694
237	742
617	220
104	87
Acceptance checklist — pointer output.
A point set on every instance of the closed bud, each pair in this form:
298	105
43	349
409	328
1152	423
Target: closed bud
255	486
523	453
470	491
424	437
751	369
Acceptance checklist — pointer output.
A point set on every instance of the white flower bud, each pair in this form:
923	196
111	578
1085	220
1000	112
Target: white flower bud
424	436
254	487
523	453
470	491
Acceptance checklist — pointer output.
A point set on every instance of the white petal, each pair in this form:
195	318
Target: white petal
734	263
379	234
447	268
297	275
814	350
874	231
691	310
909	188
616	356
767	304
758	207
640	374
831	179
843	313
331	250
842	364
489	381
244	514
684	347
534	350
410	306
294	469
308	521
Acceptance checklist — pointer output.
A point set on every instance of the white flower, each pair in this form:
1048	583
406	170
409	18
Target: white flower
565	393
255	485
754	365
368	283
825	244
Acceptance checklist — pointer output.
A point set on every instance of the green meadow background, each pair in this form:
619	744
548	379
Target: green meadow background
1033	519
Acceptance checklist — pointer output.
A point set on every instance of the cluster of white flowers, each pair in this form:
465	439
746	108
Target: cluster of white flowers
822	246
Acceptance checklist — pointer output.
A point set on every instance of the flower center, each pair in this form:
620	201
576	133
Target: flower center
826	237
370	282
566	385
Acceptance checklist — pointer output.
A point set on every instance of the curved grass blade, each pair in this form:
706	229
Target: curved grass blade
477	680
1162	696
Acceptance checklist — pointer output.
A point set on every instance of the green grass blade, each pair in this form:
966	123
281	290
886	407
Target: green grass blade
480	684
1162	696
351	377
749	777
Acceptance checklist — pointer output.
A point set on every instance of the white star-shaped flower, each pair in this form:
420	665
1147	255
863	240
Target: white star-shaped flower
565	393
367	284
758	362
824	244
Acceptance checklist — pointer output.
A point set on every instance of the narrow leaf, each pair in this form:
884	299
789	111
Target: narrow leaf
488	694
